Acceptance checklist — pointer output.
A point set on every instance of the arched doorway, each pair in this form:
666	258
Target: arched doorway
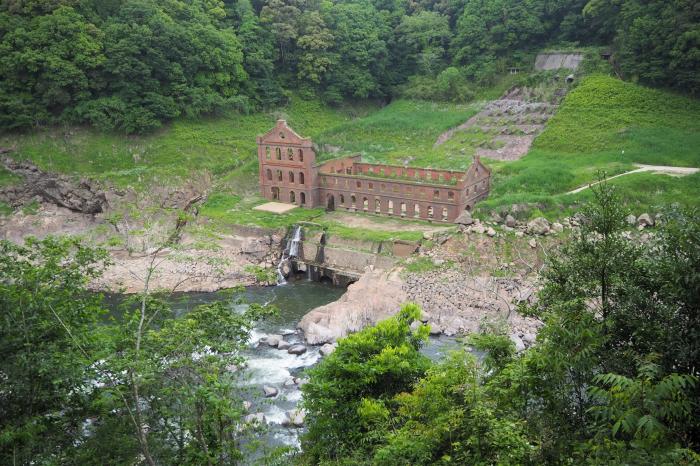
292	197
330	203
276	193
302	198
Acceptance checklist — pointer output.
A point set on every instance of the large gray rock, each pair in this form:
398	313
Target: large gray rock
326	349
465	218
283	345
491	232
294	418
297	349
82	196
645	220
273	340
510	221
538	226
270	392
374	297
631	219
557	227
519	345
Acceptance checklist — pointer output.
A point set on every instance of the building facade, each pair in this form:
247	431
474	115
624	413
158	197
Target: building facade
289	173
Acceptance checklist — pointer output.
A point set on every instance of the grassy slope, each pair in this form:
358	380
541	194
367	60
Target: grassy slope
607	125
223	145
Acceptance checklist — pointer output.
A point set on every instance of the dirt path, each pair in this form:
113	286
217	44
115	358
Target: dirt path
382	223
657	169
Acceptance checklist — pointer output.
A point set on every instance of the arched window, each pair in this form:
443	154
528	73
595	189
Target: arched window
269	174
290	153
301	155
450	195
291	177
278	153
292	197
416	211
403	209
430	211
377	205
353	201
279	175
301	178
390	208
436	194
267	152
365	204
444	213
342	200
302	198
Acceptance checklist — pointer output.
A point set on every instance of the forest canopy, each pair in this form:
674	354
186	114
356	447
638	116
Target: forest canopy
130	65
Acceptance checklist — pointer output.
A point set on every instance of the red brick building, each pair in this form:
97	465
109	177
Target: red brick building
289	173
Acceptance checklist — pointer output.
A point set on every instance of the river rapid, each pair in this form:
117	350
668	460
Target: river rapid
268	366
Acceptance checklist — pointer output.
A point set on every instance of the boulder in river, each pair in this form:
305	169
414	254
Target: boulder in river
376	296
283	345
326	349
270	392
273	340
294	418
297	349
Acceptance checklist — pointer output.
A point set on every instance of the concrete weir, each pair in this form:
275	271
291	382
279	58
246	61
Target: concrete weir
323	257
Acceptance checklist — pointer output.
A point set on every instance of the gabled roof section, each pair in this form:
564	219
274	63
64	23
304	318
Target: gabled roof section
282	134
477	168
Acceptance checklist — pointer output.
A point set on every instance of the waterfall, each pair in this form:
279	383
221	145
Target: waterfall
290	250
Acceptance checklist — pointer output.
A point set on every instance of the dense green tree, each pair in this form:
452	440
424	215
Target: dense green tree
360	54
46	345
48	65
366	370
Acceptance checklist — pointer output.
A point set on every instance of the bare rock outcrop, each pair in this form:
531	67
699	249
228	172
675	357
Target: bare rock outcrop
83	196
376	296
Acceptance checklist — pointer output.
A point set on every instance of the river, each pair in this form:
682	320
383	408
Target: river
277	368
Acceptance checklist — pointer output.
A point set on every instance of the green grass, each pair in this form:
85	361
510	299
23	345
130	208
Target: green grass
605	125
7	178
403	132
224	146
227	209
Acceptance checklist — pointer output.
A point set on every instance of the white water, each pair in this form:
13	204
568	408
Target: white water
290	250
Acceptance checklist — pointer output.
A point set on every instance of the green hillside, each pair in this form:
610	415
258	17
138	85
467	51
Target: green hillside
607	125
604	125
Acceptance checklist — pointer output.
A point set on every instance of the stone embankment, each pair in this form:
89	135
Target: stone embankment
455	303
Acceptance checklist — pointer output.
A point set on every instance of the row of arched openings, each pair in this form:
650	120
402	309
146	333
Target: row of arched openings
280	176
290	153
402	207
292	196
